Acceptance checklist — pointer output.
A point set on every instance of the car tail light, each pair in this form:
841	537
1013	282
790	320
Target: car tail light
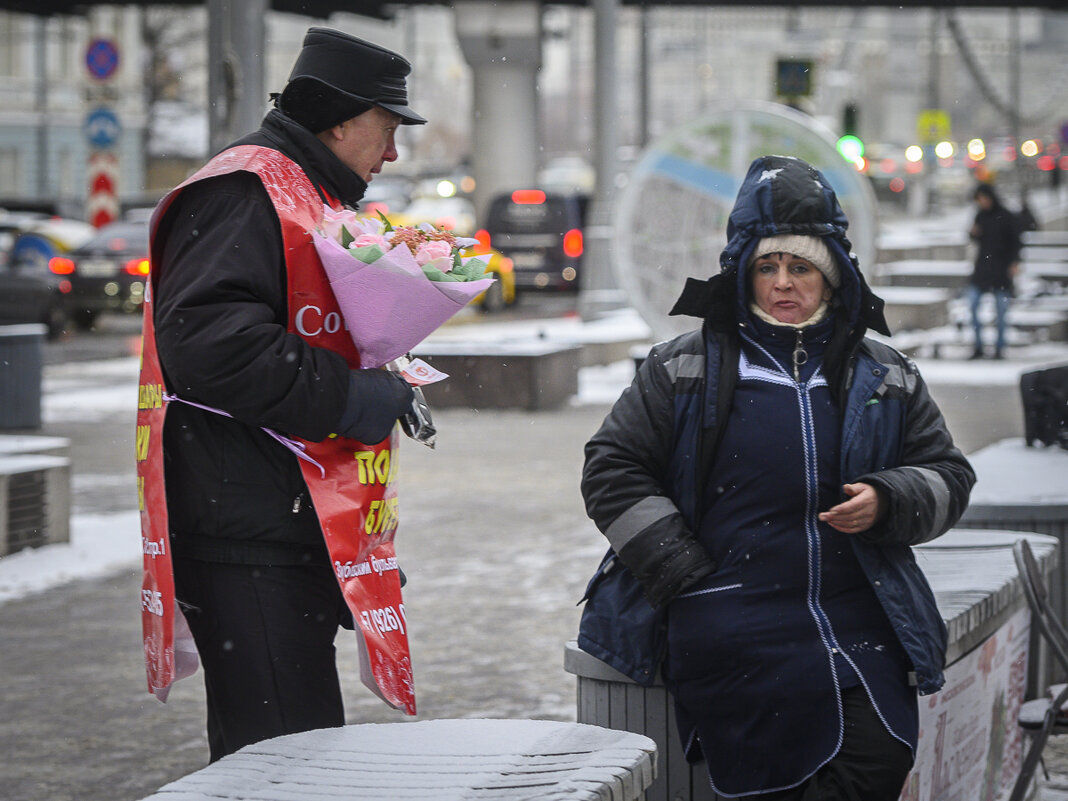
573	243
528	197
506	265
483	237
60	265
65	286
136	267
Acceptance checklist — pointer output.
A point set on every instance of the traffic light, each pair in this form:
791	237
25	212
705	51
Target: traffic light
849	120
850	147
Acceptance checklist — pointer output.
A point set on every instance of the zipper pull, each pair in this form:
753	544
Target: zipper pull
800	356
296	504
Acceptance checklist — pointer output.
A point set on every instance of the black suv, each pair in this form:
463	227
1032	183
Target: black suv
542	234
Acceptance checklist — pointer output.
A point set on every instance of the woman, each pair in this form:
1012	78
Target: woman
996	233
761	481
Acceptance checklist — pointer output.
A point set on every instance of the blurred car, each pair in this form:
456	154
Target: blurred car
456	214
388	194
568	175
106	273
29	293
889	173
542	234
12	223
39	239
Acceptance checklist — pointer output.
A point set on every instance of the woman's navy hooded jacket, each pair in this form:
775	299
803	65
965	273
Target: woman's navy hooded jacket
647	466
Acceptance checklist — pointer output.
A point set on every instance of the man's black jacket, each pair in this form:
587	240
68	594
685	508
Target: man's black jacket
219	277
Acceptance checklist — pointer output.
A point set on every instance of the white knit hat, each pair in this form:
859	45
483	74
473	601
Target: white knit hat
810	248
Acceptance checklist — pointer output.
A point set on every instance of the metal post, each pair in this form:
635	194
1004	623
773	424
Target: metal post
41	66
643	77
220	86
1014	100
925	198
249	29
933	62
599	290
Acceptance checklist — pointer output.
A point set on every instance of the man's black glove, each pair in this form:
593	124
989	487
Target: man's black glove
664	566
376	399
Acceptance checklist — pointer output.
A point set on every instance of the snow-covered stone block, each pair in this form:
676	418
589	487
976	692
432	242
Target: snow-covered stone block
444	760
34	501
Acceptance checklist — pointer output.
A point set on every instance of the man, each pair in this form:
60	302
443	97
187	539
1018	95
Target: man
997	236
234	281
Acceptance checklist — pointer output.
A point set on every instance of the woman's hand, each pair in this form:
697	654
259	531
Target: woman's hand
865	507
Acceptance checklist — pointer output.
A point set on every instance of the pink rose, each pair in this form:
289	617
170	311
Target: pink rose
365	240
435	249
334	221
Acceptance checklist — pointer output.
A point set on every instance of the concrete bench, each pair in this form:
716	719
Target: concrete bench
1044	253
942	273
1054	272
1045	237
922	245
486	375
911	308
979	595
954	274
431	760
34	501
14	444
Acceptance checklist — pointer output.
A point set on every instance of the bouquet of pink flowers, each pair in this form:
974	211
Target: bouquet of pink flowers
395	286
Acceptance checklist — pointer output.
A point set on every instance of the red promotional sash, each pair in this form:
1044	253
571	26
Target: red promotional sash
352	484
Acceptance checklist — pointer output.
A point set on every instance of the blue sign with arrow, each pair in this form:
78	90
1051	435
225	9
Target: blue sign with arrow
102	127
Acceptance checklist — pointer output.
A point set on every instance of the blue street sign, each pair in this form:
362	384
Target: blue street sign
102	127
102	58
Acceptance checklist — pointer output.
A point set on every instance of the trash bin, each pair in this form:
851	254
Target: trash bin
1044	394
21	357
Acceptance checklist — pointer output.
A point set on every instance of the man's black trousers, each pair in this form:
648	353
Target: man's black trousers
265	636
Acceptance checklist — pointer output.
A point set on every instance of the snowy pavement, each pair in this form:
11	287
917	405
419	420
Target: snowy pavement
493	538
80	396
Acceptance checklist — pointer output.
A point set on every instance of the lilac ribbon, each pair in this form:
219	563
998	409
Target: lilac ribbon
293	445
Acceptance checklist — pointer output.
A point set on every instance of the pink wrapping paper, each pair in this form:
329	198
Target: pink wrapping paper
390	306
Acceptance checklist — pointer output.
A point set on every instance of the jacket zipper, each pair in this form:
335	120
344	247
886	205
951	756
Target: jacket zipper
800	356
823	623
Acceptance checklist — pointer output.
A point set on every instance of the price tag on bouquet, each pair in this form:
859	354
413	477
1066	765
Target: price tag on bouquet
418	373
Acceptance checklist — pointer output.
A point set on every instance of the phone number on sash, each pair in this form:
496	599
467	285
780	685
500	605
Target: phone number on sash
384	620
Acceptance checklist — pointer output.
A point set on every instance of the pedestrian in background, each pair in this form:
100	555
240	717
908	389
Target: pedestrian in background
996	232
760	484
233	271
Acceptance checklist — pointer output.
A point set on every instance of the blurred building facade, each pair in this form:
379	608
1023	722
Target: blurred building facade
888	64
